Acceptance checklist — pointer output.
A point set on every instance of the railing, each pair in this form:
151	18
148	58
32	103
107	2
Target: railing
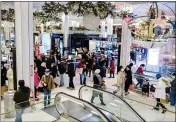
115	104
63	110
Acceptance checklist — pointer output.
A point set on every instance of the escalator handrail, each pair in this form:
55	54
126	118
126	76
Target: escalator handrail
139	116
84	102
143	75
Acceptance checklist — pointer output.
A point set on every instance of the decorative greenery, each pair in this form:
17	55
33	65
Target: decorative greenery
80	8
8	15
44	17
82	29
125	14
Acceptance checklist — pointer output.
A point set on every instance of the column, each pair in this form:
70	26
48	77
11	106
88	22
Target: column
24	42
110	26
7	30
125	45
103	30
66	29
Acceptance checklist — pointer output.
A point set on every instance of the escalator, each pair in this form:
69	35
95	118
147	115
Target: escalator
115	105
75	109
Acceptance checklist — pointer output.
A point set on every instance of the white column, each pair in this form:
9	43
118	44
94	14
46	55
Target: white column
66	29
103	30
109	26
125	45
24	42
7	30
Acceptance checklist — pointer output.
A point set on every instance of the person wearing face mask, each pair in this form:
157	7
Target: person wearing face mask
48	84
71	74
140	71
36	83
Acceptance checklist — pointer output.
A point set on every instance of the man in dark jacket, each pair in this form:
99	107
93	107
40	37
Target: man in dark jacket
71	74
62	70
128	77
173	91
21	98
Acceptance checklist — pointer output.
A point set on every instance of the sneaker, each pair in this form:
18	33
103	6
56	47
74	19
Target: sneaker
156	108
164	111
103	104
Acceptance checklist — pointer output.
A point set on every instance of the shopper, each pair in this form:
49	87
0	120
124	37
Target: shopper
54	73
89	65
62	70
71	74
21	99
42	69
36	83
128	81
112	67
97	85
10	78
173	91
160	92
120	80
48	84
139	78
94	65
80	68
84	74
38	63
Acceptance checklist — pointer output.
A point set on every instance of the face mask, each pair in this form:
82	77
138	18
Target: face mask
47	74
35	70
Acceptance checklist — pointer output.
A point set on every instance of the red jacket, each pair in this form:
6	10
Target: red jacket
140	70
112	66
36	79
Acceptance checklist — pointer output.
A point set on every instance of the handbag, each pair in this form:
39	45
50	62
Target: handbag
40	85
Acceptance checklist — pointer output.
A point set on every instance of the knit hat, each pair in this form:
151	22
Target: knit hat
158	76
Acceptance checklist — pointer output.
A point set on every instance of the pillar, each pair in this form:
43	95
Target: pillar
103	29
125	45
109	26
66	29
24	42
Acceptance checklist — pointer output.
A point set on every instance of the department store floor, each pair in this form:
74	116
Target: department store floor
147	112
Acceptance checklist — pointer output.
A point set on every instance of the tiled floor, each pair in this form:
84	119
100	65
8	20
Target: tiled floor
145	111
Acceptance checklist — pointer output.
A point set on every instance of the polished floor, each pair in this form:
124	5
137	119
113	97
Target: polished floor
40	115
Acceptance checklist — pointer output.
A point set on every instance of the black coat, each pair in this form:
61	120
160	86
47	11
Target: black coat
71	71
53	71
48	63
62	68
41	71
22	95
38	63
96	82
128	75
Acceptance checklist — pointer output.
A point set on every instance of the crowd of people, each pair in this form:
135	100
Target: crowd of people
46	69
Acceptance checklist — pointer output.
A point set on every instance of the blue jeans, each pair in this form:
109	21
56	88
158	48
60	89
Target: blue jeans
19	115
172	98
62	79
84	77
47	96
80	78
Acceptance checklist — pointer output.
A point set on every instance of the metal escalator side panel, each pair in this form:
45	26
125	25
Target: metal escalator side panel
122	103
83	102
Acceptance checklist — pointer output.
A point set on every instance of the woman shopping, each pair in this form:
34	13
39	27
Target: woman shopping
160	93
97	85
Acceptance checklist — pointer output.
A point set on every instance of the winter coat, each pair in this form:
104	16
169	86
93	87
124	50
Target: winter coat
71	71
10	79
20	96
112	66
128	75
160	89
36	79
120	78
41	72
53	71
49	81
61	68
140	70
